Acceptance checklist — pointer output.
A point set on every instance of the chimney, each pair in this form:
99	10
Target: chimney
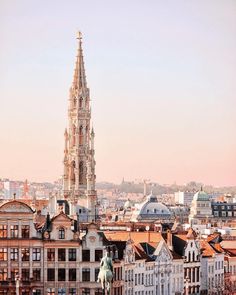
169	240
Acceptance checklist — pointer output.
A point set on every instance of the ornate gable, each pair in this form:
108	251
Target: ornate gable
162	252
61	217
15	207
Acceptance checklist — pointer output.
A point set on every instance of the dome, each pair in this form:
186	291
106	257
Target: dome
152	209
127	204
201	196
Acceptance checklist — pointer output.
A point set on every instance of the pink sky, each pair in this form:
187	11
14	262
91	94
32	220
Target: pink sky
162	78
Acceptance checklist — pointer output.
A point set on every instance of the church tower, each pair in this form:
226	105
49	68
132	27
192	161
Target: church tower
79	164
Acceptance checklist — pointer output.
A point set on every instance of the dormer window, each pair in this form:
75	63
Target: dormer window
61	233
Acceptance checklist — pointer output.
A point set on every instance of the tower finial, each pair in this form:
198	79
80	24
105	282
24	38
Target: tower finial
79	35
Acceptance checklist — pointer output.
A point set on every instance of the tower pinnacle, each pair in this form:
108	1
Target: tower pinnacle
79	80
79	35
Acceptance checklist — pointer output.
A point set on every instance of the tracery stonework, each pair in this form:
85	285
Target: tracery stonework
79	164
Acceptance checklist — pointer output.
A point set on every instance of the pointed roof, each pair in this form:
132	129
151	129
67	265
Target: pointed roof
79	79
191	235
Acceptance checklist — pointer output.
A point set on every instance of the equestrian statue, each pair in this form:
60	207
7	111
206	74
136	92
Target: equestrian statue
105	275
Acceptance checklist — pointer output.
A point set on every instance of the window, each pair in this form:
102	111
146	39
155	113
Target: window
80	102
229	213
98	292
85	274
3	292
61	254
96	272
72	274
25	229
61	274
3	231
86	291
51	254
25	254
61	291
223	213
85	255
14	231
36	254
61	233
50	291
51	274
37	274
216	213
81	171
25	274
14	273
3	274
72	291
25	292
72	254
36	292
98	255
3	254
14	254
81	135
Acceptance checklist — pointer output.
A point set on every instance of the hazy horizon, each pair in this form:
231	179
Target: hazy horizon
162	79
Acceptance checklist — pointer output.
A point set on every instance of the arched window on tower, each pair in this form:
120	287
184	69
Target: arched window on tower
189	256
87	133
81	135
81	172
80	102
72	172
73	135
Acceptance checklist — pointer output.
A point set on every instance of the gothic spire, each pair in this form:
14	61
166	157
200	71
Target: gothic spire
79	80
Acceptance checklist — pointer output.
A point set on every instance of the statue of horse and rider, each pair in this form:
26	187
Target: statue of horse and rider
105	275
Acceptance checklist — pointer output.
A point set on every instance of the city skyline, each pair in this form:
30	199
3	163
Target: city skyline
162	90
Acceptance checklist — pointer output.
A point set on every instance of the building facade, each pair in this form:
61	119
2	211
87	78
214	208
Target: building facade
200	212
184	198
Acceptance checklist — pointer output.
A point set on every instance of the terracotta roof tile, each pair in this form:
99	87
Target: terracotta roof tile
207	250
136	237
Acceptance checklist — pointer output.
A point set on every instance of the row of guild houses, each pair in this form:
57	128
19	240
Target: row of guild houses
60	255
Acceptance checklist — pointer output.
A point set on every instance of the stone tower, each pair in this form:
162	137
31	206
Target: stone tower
79	164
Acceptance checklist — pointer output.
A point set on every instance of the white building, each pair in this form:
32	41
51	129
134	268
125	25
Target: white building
184	198
212	269
201	210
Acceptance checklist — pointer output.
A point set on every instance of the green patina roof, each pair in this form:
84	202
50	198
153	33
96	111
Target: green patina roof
201	196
